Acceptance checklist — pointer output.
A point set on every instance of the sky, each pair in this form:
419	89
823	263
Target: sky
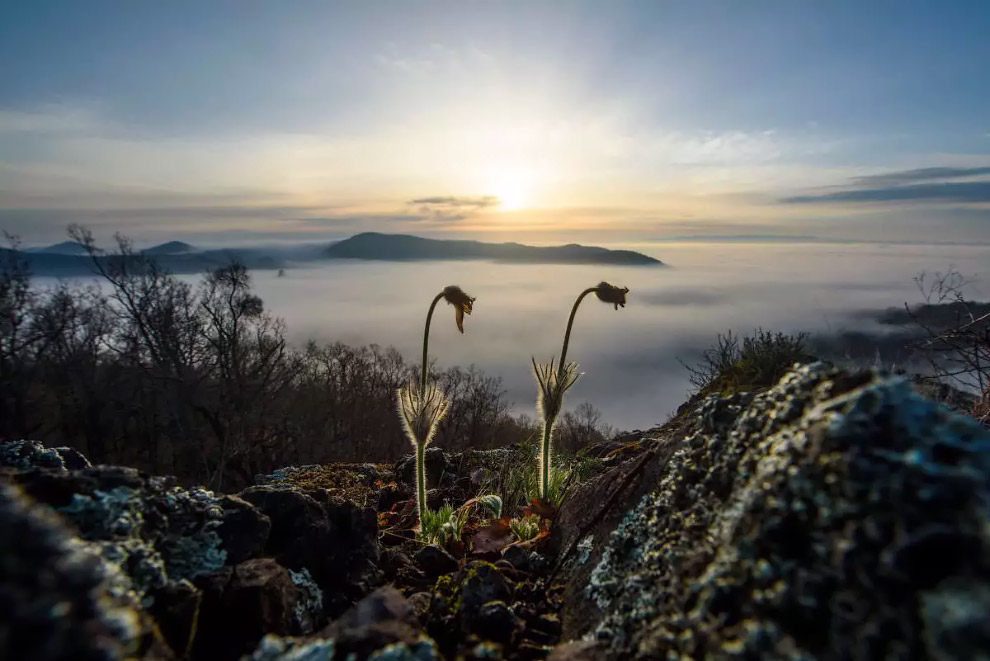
244	122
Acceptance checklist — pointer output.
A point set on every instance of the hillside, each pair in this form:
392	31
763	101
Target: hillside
835	515
170	248
171	257
63	248
403	247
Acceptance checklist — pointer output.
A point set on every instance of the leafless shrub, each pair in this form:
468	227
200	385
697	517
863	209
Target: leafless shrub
956	336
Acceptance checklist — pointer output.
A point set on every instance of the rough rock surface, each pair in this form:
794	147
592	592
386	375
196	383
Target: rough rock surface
337	542
59	601
833	516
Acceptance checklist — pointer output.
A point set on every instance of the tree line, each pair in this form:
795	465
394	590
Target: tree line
140	368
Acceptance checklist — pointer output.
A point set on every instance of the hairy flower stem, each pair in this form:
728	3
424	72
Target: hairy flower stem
426	343
570	322
420	481
545	457
547	437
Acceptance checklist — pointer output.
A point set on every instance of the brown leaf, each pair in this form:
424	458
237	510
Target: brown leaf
488	540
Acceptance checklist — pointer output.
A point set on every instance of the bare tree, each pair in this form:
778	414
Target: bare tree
956	336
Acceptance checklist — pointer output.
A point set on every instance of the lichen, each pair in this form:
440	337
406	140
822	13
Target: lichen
106	514
423	649
276	648
813	518
115	524
309	609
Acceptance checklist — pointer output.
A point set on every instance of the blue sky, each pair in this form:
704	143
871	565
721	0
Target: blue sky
238	121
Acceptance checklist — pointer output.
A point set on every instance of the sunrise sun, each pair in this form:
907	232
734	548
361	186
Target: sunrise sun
511	190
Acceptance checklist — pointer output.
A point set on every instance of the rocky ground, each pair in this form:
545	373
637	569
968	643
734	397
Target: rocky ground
835	515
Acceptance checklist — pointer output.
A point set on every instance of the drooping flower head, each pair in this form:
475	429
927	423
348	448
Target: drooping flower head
611	294
421	411
462	303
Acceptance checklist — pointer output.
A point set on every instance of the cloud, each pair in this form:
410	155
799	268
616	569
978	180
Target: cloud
451	208
919	175
474	202
969	192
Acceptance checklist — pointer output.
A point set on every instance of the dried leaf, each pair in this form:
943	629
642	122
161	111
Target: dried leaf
491	539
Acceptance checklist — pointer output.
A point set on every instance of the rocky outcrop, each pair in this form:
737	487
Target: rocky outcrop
337	542
833	516
60	600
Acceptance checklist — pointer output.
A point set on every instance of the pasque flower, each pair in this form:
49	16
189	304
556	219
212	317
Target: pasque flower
554	381
422	405
462	303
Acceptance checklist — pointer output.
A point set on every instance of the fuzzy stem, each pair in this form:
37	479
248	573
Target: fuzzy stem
570	322
420	482
544	484
547	438
426	342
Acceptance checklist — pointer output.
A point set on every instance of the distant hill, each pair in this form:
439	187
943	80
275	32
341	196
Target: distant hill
402	247
64	248
74	265
170	248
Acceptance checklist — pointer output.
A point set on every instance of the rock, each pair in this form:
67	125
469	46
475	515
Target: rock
496	622
439	468
480	583
517	556
337	542
32	454
391	494
175	607
434	561
60	601
72	459
530	562
835	515
578	650
243	529
420	602
384	619
243	603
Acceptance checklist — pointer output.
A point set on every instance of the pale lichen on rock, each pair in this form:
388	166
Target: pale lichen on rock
831	515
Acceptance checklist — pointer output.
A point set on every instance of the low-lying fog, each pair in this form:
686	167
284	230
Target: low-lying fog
629	356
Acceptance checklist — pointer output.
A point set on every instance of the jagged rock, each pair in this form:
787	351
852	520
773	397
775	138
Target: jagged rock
438	468
241	604
525	560
24	454
243	529
496	622
176	608
337	542
382	620
58	600
434	561
480	582
834	516
391	494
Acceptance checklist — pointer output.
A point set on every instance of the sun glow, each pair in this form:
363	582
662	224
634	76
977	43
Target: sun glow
511	189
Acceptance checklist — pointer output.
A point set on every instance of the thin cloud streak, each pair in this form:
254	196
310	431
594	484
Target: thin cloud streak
919	174
975	192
